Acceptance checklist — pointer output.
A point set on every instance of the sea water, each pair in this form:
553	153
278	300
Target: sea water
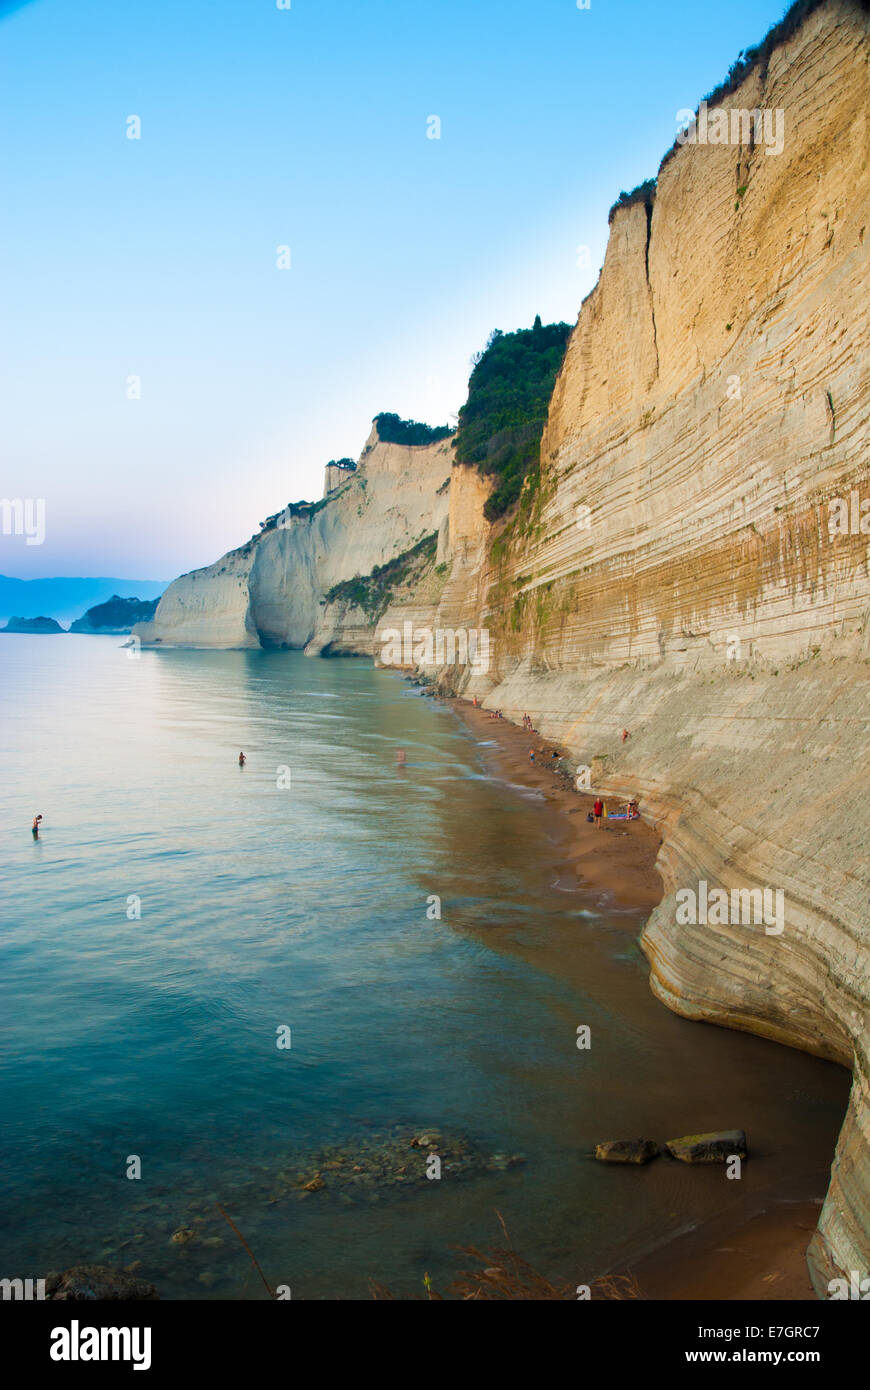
401	928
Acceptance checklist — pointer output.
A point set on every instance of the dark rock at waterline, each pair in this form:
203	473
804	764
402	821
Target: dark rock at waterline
716	1147
98	1284
626	1151
32	625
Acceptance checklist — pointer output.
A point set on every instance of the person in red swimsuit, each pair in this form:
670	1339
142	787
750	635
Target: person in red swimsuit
598	811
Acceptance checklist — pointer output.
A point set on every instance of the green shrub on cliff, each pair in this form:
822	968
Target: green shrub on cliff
501	423
644	193
393	430
373	592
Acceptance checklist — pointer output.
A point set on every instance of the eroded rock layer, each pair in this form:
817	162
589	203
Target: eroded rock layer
674	572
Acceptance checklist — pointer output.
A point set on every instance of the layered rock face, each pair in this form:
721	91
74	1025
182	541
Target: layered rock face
676	575
272	591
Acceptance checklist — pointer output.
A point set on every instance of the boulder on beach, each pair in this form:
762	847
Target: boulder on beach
716	1147
98	1284
626	1151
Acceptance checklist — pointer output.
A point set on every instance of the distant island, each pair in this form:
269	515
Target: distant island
32	625
116	616
68	598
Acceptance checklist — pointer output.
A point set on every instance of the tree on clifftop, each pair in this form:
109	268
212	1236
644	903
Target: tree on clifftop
501	423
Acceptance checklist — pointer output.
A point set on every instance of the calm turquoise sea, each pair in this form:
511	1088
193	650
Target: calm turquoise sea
298	899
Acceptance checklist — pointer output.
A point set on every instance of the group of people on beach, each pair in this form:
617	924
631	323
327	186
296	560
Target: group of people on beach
631	811
554	760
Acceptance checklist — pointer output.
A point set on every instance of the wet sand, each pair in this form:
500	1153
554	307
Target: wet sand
618	855
756	1254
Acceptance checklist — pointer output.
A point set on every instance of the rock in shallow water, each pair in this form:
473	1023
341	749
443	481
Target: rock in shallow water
626	1151
716	1147
98	1283
183	1236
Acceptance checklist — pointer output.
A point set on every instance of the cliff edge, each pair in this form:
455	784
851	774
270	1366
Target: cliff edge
272	591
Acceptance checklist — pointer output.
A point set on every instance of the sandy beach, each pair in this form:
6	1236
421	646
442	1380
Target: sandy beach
751	1253
619	855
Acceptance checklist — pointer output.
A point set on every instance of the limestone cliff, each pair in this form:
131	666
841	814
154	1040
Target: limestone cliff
272	590
672	570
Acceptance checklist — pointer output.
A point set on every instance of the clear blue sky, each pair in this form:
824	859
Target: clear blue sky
304	127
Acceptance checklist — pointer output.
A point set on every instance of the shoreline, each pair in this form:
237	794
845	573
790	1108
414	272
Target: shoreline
590	857
756	1253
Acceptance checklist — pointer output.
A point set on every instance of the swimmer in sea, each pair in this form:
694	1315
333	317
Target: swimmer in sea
400	757
242	760
35	826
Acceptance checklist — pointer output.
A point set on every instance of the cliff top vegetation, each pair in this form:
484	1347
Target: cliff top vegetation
758	55
501	423
644	193
393	430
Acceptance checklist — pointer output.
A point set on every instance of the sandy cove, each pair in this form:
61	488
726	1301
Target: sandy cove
753	1255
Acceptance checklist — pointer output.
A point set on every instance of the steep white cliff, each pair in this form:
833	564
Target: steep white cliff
675	574
272	590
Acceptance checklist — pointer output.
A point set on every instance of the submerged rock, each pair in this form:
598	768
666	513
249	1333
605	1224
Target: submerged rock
183	1236
716	1147
626	1151
98	1283
389	1161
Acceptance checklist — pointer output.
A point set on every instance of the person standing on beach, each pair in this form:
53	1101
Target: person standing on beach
531	755
624	735
597	811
